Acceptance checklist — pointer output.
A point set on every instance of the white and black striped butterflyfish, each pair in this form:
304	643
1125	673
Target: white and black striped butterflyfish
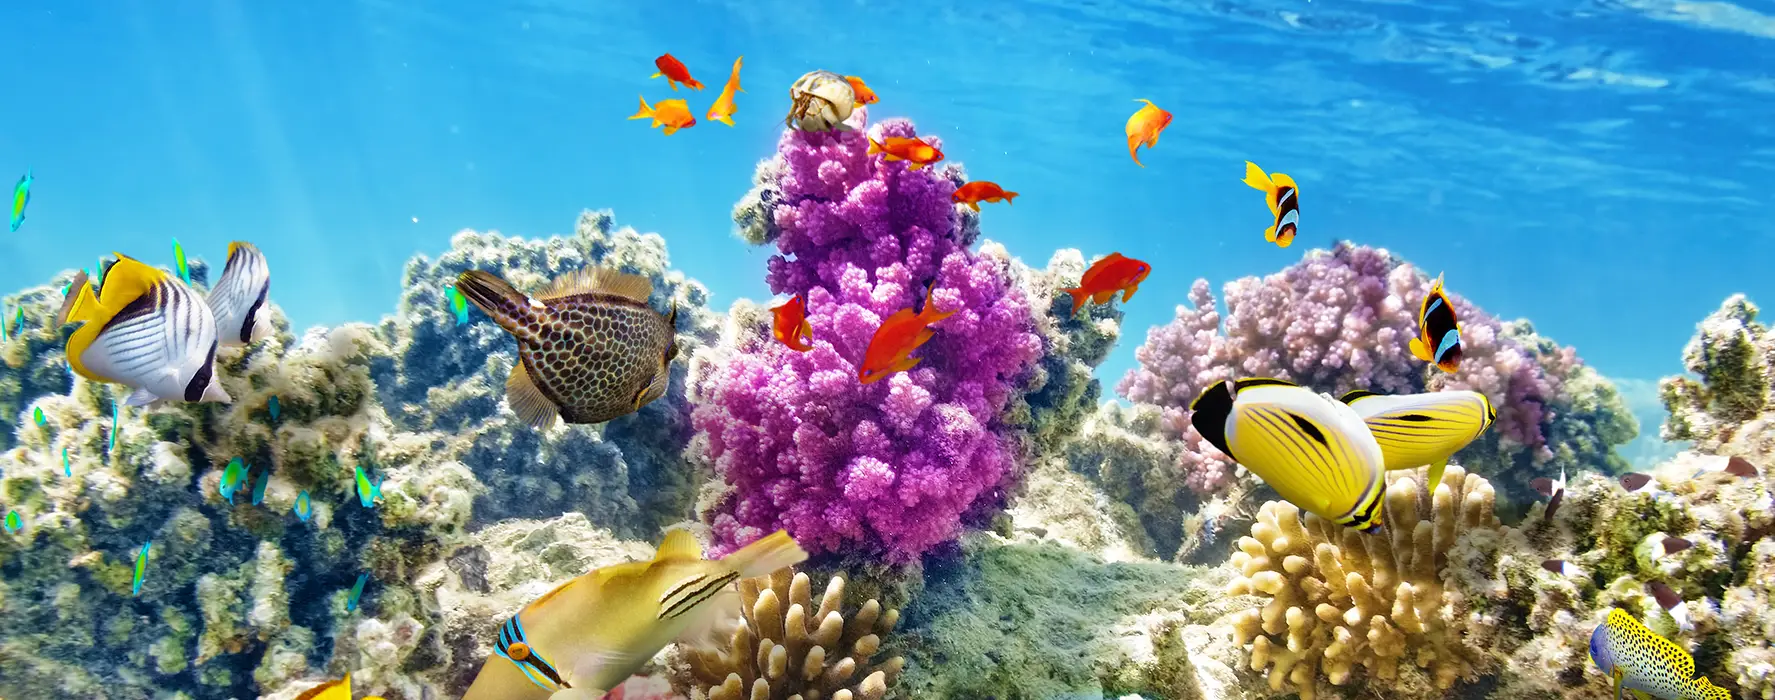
238	299
1313	450
1439	333
1415	430
589	634
146	330
1283	197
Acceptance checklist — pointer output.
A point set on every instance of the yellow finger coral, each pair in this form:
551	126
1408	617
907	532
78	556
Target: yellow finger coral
799	653
1339	599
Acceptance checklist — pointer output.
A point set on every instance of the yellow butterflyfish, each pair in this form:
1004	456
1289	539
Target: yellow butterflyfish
1415	430
1312	449
1639	660
589	634
146	330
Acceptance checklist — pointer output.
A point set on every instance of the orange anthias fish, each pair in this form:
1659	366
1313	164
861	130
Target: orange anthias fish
891	349
973	193
865	96
674	114
1144	127
916	151
675	72
791	326
722	110
1280	192
1108	276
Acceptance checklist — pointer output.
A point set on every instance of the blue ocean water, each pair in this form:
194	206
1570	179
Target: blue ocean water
1598	167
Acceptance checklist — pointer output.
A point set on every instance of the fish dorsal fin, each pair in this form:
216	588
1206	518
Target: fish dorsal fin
598	280
679	544
1357	394
126	281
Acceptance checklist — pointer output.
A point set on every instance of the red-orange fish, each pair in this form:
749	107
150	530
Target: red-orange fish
973	193
791	326
675	72
865	96
1108	276
915	151
891	349
673	114
1144	127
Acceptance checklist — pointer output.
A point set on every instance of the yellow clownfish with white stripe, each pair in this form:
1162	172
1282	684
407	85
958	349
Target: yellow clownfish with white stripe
333	690
591	633
1312	449
1418	429
146	330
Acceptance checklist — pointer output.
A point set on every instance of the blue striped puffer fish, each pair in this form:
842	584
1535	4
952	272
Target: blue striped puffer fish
591	633
238	299
1637	659
145	330
1312	449
1414	430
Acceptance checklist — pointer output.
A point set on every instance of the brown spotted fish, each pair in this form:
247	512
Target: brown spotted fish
589	347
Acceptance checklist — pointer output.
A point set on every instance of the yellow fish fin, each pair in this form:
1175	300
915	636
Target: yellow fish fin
330	690
1279	181
1420	350
1436	474
1103	296
974	206
669	130
772	552
1256	179
646	111
598	280
678	544
1269	234
1129	292
916	165
532	406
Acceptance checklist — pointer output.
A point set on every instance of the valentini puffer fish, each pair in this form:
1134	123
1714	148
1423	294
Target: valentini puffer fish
589	634
589	347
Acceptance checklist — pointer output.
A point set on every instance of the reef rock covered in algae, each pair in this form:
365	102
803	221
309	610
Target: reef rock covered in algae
242	599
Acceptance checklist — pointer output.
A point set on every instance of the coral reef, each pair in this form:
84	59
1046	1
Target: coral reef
799	652
1724	406
893	467
1340	320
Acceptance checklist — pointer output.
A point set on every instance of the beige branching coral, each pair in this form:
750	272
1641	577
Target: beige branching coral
1340	599
799	653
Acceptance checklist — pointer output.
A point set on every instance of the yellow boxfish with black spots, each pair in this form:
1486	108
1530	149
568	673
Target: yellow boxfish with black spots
146	330
591	633
1415	430
1637	659
1312	449
590	348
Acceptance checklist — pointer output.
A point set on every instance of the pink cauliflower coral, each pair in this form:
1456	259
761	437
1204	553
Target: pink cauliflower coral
893	467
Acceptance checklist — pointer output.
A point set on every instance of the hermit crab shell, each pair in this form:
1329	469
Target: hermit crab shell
821	101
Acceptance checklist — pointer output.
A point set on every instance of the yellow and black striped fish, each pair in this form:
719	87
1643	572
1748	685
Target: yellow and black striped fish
1313	450
1637	659
1423	429
238	299
146	330
1439	332
589	634
589	347
1283	198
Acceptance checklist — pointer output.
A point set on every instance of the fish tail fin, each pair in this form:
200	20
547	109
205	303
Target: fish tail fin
693	84
1079	295
507	306
774	552
929	312
656	74
874	146
1256	179
724	119
645	111
1269	234
1134	145
1009	196
1420	350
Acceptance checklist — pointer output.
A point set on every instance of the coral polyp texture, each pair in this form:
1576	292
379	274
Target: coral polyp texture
1342	602
789	648
1725	399
894	467
1341	320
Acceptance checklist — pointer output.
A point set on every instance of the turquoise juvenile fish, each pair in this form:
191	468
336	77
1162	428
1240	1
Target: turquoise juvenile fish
21	195
116	414
1637	659
3	333
184	268
37	415
18	320
232	477
259	486
458	304
67	467
368	494
13	522
304	509
141	569
357	591
272	408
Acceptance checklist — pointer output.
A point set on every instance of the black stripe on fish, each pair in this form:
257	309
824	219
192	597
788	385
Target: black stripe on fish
1357	394
1437	321
1287	203
686	583
512	632
148	304
697	595
1312	431
1414	418
201	380
246	326
1209	413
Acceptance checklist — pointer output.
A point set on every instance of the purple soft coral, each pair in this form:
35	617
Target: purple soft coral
1334	322
891	467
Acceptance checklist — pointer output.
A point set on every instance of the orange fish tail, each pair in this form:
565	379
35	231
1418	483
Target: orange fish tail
645	111
1134	143
874	147
1009	196
693	84
930	313
1079	295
